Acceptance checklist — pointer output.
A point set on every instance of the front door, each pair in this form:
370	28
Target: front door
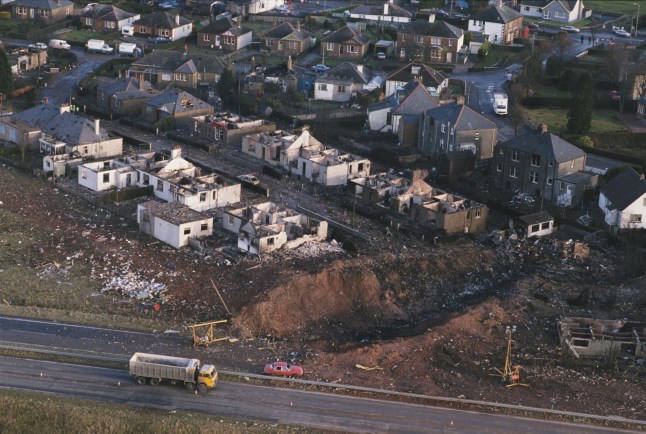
449	57
31	13
341	49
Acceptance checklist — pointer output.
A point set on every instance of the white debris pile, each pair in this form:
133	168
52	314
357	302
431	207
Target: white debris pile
313	250
134	286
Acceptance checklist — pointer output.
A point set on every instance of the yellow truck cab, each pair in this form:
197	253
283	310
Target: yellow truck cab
208	376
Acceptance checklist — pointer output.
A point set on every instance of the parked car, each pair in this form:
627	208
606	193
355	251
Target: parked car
283	369
37	46
59	44
159	40
320	68
615	95
532	25
623	33
381	55
570	29
249	179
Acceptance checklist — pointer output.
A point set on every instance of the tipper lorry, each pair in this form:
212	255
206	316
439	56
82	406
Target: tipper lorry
154	368
98	46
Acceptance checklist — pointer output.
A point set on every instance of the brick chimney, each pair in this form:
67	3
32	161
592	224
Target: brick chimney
542	128
459	100
140	82
298	25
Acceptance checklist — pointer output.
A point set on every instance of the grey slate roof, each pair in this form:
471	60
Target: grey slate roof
127	88
346	34
161	20
69	127
462	117
171	60
107	12
285	29
439	29
42	4
346	73
497	14
171	101
625	188
538	217
546	145
388	103
220	26
417	101
429	76
567	4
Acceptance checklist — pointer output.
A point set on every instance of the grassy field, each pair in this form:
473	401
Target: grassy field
34	413
617	6
603	121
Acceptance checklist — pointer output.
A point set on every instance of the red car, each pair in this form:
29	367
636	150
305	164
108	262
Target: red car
283	369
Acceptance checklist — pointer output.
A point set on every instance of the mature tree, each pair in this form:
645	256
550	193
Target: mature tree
6	77
226	86
580	114
517	113
468	37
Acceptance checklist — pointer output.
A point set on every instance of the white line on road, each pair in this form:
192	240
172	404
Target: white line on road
73	325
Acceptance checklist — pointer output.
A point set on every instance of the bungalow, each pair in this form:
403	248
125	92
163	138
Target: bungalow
388	14
343	82
224	34
172	223
345	43
174	103
623	201
432	79
430	41
107	17
124	96
163	24
285	39
564	11
501	24
47	11
163	67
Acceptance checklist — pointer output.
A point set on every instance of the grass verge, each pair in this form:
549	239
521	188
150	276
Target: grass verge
603	121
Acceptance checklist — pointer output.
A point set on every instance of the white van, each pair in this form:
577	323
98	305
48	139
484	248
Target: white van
59	44
128	31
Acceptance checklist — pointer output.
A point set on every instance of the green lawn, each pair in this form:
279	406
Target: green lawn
617	6
81	36
603	121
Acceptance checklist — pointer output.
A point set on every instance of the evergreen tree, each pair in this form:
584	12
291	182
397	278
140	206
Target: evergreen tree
6	77
226	87
580	114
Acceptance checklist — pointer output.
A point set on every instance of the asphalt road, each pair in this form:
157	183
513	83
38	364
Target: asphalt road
284	406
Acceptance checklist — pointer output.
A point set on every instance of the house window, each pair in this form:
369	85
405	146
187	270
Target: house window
403	38
501	151
270	42
536	160
450	42
230	219
534	228
533	177
443	128
160	185
341	89
207	37
229	40
109	24
514	155
180	77
645	201
550	180
352	49
322	86
21	10
545	225
187	231
106	177
419	39
146	180
550	164
526	8
436	41
270	241
477	213
88	21
204	227
142	29
635	218
329	46
562	186
513	172
292	45
499	167
442	142
478	138
202	197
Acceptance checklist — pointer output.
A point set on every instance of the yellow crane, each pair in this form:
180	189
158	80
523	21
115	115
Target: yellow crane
510	374
204	333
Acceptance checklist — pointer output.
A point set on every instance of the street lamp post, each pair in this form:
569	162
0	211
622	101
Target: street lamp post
636	19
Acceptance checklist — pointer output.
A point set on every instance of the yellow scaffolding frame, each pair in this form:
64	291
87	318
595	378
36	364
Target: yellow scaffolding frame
208	337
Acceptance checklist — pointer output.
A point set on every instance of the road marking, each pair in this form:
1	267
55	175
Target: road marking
60	324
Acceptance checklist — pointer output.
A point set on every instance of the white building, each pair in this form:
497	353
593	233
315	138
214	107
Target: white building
106	175
172	223
332	167
500	24
258	6
623	201
389	13
280	148
344	82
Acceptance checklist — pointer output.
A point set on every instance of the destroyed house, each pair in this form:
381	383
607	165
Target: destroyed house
266	227
172	223
106	175
378	189
588	337
332	167
177	180
280	148
226	128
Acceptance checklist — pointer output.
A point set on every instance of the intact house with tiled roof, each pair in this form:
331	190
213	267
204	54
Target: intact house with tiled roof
163	24
174	103
400	112
286	39
163	67
431	41
344	81
124	96
564	11
389	13
48	11
542	165
448	131
224	34
173	223
345	43
107	17
500	24
434	80
623	201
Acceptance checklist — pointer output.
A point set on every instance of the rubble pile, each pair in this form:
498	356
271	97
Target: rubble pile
315	250
133	286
